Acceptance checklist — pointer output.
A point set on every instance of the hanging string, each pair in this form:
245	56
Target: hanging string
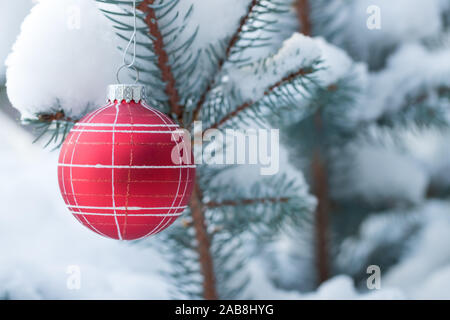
125	53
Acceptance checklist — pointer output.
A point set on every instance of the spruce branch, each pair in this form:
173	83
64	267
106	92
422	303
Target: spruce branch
266	204
220	63
54	123
303	72
425	108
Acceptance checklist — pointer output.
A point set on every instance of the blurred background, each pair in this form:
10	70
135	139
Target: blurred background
374	154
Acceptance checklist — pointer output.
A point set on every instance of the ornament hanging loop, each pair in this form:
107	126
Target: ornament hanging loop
125	53
128	67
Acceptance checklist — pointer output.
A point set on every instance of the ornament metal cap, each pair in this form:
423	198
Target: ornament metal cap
127	92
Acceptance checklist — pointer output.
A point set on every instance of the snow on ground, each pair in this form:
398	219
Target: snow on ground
400	20
423	273
338	288
39	238
424	269
381	172
296	53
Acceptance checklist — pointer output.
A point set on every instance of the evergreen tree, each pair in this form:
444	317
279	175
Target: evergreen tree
345	96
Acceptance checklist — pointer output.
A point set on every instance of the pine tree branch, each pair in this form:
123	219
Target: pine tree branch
203	245
56	124
246	202
56	116
163	58
233	40
403	113
248	104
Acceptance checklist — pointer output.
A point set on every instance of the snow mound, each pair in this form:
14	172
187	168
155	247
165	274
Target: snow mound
65	56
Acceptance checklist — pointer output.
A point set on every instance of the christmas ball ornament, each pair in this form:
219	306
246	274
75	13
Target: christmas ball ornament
125	170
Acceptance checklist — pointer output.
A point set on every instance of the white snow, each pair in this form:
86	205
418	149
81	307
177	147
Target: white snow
342	288
253	80
424	272
66	54
411	68
401	21
424	269
427	148
337	62
12	14
338	288
297	52
385	173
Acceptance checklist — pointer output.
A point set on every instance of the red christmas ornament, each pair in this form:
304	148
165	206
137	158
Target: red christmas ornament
123	170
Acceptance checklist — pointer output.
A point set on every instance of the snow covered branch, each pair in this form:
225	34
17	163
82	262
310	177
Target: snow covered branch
271	89
232	42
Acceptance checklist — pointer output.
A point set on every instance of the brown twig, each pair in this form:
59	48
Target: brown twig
246	105
320	190
163	58
57	116
302	7
318	170
233	203
233	40
203	245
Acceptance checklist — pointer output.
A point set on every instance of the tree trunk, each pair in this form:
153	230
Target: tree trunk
319	172
319	175
203	246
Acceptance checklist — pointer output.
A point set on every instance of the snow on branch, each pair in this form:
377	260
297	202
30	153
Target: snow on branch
416	86
61	45
264	205
298	53
286	78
